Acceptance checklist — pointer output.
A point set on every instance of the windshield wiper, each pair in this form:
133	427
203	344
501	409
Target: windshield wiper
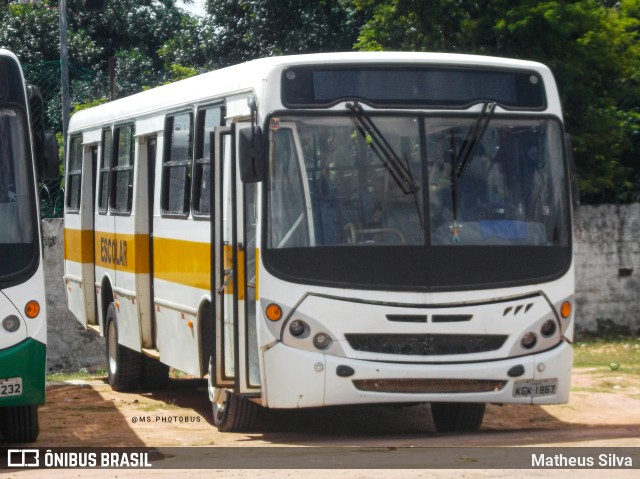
400	172
462	160
474	135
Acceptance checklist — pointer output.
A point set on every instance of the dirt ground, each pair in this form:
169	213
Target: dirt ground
602	408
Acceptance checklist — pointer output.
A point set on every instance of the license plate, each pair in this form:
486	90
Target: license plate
10	387
530	389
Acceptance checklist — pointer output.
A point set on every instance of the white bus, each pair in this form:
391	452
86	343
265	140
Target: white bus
315	230
23	335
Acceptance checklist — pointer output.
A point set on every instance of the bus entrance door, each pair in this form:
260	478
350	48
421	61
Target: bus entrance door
233	270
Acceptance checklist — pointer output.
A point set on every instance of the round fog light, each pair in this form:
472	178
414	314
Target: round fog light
11	323
296	328
528	340
322	341
548	328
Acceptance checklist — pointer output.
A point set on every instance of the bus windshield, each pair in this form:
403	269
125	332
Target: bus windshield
429	183
18	246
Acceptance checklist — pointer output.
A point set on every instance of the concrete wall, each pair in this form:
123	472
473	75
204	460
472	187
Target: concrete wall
70	347
607	254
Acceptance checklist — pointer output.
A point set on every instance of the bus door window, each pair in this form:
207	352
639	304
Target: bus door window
250	235
208	119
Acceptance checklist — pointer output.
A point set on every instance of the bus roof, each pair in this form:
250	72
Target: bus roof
251	75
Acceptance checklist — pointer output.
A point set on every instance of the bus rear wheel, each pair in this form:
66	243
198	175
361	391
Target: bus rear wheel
124	364
19	423
457	417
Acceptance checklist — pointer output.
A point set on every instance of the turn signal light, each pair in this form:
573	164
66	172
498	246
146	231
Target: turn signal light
274	312
32	309
565	309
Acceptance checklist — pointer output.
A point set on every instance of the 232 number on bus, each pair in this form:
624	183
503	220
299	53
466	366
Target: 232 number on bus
527	388
10	387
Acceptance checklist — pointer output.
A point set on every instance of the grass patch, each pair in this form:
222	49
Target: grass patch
611	357
149	407
83	374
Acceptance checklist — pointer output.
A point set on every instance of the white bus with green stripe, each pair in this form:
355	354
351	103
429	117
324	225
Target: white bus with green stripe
316	230
23	320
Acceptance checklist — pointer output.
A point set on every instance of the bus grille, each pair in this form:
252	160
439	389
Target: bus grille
426	344
429	386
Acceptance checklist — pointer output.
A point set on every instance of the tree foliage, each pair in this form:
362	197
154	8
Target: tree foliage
239	30
593	48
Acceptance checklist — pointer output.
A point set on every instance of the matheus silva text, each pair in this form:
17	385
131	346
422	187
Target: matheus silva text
561	460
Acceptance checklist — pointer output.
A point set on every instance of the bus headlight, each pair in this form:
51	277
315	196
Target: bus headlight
548	328
297	327
322	341
529	340
11	324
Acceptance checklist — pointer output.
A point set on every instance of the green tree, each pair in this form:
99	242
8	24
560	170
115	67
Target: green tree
31	32
239	30
593	48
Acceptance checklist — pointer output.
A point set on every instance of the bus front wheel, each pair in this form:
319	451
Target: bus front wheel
457	417
231	413
19	423
124	364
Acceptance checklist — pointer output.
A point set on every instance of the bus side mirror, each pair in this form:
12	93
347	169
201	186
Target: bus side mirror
45	144
49	162
250	153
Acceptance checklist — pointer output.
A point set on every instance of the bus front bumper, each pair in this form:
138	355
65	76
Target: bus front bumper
23	364
296	378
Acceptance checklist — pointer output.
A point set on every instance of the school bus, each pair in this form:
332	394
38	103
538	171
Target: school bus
345	228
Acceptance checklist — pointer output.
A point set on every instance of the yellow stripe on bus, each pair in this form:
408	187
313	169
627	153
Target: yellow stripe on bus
122	252
176	261
183	262
78	245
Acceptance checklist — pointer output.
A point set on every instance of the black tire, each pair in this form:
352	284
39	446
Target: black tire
233	413
20	423
155	375
123	364
457	417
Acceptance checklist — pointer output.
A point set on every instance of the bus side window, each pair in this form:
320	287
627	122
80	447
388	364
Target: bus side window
74	176
176	165
105	172
123	169
208	119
